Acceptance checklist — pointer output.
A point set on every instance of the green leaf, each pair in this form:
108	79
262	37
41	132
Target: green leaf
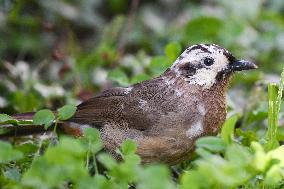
203	153
173	50
7	153
155	177
60	163
213	144
44	117
66	112
93	136
128	147
203	29
119	76
227	132
246	136
96	182
107	160
260	159
238	154
5	117
273	176
25	101
27	148
194	179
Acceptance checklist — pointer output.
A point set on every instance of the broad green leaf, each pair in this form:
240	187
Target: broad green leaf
67	146
238	154
128	147
156	177
192	179
260	159
273	176
107	160
203	153
44	117
93	136
173	50
132	159
66	112
25	102
96	182
275	173
60	163
7	153
246	136
256	116
227	132
213	144
27	148
202	29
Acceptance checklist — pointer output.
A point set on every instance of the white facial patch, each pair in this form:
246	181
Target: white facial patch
205	76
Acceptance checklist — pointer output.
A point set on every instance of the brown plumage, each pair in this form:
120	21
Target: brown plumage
167	114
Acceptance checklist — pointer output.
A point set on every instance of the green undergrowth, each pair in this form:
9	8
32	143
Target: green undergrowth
64	52
233	159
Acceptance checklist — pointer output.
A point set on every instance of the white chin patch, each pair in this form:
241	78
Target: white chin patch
203	77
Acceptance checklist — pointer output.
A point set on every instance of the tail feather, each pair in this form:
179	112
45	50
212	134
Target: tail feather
21	130
24	116
15	130
67	127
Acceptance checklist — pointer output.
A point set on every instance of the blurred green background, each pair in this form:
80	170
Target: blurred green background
65	51
56	52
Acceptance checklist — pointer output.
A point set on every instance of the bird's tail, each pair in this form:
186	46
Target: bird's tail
10	130
24	116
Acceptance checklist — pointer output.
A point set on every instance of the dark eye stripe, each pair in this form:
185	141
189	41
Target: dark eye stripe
189	69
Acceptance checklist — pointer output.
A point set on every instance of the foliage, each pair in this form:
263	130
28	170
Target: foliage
62	52
46	117
223	162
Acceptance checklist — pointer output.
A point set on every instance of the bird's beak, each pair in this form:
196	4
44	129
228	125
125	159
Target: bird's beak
239	65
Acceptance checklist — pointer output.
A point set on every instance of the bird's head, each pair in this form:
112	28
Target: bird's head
207	64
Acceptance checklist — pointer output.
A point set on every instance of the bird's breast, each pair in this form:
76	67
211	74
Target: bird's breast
216	110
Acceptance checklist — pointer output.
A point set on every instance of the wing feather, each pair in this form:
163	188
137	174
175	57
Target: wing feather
97	110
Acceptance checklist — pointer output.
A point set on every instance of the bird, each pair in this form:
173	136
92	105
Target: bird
167	114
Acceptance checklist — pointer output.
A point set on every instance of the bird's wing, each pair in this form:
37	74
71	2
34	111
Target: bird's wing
115	91
102	108
136	107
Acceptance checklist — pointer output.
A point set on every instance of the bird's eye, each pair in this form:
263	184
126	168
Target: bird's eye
208	61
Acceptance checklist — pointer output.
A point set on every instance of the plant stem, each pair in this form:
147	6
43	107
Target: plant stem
55	126
95	164
274	104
